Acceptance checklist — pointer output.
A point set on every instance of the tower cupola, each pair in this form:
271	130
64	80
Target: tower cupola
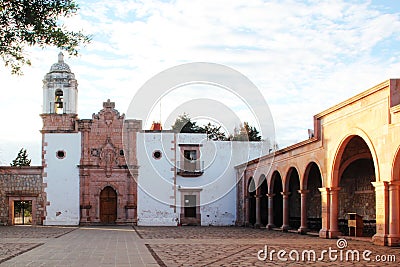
60	89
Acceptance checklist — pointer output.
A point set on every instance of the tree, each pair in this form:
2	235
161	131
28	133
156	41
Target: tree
183	124
21	159
245	133
35	23
214	132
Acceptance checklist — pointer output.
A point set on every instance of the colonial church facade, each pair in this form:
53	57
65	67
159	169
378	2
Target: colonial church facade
108	170
83	178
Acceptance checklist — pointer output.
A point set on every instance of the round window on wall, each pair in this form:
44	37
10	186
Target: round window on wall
60	154
157	154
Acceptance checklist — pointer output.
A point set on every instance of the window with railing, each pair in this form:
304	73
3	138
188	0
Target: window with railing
190	165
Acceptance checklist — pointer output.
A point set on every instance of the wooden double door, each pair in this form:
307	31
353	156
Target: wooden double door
108	205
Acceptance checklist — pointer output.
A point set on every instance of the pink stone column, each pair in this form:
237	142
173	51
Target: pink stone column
258	217
334	212
303	221
381	213
285	225
394	216
270	211
325	206
247	211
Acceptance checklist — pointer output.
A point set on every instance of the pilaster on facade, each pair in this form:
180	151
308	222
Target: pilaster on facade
382	212
393	239
325	212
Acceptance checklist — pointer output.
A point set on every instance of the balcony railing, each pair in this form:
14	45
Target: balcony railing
190	168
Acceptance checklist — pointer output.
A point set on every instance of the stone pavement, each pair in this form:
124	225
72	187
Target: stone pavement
178	246
83	246
234	246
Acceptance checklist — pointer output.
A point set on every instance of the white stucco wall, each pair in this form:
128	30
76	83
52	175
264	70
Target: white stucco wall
217	184
155	181
62	178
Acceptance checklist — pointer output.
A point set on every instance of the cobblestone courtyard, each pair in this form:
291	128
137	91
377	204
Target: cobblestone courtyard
176	246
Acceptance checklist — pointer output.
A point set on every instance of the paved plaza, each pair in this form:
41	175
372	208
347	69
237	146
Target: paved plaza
181	246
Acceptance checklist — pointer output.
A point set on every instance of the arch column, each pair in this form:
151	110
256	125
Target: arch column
334	212
247	211
394	216
303	219
285	225
325	206
258	215
382	213
270	211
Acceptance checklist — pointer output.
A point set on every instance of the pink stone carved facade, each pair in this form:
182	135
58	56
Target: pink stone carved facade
103	166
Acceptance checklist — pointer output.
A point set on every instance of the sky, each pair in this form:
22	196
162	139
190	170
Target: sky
303	56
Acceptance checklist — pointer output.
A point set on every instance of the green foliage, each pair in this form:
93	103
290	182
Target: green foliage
245	133
21	159
35	23
214	132
183	124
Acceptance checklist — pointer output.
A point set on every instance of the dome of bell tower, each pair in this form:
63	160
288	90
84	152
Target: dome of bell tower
60	89
60	66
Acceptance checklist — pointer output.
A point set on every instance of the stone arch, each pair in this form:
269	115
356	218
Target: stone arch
292	186
263	191
276	188
353	174
312	181
396	166
304	179
104	185
251	195
334	179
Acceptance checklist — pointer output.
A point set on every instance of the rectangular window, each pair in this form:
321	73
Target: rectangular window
190	154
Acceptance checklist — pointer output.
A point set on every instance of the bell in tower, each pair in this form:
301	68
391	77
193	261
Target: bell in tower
60	97
60	89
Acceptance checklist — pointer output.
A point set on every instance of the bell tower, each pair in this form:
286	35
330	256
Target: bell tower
61	145
60	97
60	89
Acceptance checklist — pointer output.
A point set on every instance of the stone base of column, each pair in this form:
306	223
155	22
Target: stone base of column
246	224
323	233
302	230
393	240
270	226
380	240
285	228
334	234
257	225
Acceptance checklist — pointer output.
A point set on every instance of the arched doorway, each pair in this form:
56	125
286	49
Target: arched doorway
108	205
357	194
293	187
276	184
312	183
264	201
251	191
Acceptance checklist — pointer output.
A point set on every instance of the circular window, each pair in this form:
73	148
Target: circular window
157	154
60	154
